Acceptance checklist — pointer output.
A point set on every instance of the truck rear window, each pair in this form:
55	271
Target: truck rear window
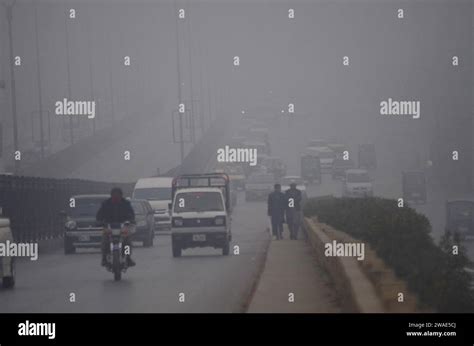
198	201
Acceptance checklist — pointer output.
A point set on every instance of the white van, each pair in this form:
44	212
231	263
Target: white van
157	191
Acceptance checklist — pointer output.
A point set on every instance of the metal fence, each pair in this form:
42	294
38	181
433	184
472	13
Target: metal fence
33	204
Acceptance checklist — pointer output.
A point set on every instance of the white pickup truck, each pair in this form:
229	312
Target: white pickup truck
7	264
201	212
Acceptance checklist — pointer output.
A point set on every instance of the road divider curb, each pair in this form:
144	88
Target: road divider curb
356	292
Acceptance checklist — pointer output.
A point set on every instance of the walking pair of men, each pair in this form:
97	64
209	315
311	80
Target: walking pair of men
281	204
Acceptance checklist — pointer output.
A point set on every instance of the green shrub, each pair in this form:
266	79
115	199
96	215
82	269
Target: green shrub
401	237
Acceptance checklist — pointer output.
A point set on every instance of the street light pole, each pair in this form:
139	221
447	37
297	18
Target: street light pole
180	115
9	13
71	130
193	126
39	83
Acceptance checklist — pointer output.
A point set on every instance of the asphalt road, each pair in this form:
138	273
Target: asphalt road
211	282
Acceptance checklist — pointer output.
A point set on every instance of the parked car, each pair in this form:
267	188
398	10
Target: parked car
7	264
144	222
81	229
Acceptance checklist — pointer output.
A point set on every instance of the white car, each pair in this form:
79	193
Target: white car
357	183
7	264
157	191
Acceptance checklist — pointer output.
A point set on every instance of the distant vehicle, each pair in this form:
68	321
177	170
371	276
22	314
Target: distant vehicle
258	186
460	217
340	166
311	168
7	263
317	143
367	158
275	166
200	212
338	149
157	191
238	181
81	229
357	183
262	147
414	186
144	222
233	193
326	157
300	185
259	133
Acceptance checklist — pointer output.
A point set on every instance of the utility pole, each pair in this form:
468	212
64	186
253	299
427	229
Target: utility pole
201	94
9	11
71	130
193	126
38	69
91	71
180	115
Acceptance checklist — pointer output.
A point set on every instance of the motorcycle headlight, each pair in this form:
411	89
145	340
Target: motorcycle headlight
219	221
71	224
178	222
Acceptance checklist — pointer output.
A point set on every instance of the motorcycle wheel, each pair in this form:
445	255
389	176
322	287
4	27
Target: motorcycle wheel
116	266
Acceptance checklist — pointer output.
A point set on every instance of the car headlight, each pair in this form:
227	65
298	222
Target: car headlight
71	224
178	222
219	221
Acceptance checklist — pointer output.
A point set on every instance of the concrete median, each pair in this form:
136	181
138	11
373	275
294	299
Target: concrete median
367	286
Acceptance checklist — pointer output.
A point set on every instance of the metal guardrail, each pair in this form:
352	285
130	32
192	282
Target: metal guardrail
33	204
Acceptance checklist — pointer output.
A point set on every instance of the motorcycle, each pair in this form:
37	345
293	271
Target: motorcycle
117	258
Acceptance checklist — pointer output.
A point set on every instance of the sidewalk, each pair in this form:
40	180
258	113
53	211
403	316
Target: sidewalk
291	268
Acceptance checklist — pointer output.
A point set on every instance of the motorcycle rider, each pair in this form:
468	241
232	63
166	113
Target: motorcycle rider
116	209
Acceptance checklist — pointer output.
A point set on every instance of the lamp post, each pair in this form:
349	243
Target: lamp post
9	12
38	70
